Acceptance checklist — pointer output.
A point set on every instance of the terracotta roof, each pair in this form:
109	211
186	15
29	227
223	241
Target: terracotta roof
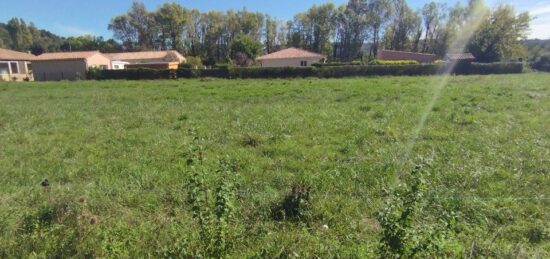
6	54
460	56
168	56
66	55
291	53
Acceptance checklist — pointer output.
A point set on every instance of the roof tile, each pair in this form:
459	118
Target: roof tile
291	53
66	55
6	54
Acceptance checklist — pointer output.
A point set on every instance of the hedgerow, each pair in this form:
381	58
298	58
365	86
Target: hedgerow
401	68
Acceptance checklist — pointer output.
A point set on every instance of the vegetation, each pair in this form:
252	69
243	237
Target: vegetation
17	35
276	168
393	62
393	68
339	32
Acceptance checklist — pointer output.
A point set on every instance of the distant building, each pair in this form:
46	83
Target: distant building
169	59
68	65
119	65
15	66
455	57
291	57
404	55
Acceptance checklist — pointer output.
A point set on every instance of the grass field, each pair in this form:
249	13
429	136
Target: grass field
276	168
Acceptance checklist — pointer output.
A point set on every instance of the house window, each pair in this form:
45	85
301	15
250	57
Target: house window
117	67
4	68
29	68
14	68
303	63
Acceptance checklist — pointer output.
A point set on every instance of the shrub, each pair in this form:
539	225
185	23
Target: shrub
465	68
192	63
274	72
295	206
543	64
337	64
393	62
129	74
335	72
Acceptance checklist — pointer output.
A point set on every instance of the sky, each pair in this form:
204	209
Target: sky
79	17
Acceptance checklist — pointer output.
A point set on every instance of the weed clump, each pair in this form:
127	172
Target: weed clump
296	206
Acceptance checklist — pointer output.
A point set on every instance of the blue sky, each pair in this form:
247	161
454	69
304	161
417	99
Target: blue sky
78	17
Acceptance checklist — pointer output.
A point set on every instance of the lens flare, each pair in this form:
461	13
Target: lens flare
468	28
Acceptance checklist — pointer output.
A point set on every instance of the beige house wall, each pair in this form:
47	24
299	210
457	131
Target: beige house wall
98	61
21	75
289	62
55	70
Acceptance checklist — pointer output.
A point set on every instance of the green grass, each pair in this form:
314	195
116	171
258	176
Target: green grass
124	147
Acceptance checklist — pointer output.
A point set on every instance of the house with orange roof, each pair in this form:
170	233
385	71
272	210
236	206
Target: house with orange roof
15	66
168	59
68	65
291	57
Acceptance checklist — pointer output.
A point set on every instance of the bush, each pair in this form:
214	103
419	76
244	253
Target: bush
378	70
393	62
337	64
192	63
226	71
464	68
129	74
273	72
543	64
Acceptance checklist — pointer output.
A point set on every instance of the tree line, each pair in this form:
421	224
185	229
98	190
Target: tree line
353	31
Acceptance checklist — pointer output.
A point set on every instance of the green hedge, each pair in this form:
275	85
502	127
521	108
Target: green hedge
392	62
489	68
324	71
129	74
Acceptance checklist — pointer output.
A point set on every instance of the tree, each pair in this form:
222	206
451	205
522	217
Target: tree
499	34
21	37
378	14
405	31
433	14
351	30
245	45
124	31
172	19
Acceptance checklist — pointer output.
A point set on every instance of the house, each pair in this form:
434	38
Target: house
405	55
460	57
68	65
119	65
169	59
291	57
15	66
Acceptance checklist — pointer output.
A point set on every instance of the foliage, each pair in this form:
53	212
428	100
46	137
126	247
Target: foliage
543	64
404	234
192	63
128	74
393	62
337	64
296	206
497	37
17	35
244	49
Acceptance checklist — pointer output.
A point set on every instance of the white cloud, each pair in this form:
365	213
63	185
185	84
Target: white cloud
540	10
540	27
